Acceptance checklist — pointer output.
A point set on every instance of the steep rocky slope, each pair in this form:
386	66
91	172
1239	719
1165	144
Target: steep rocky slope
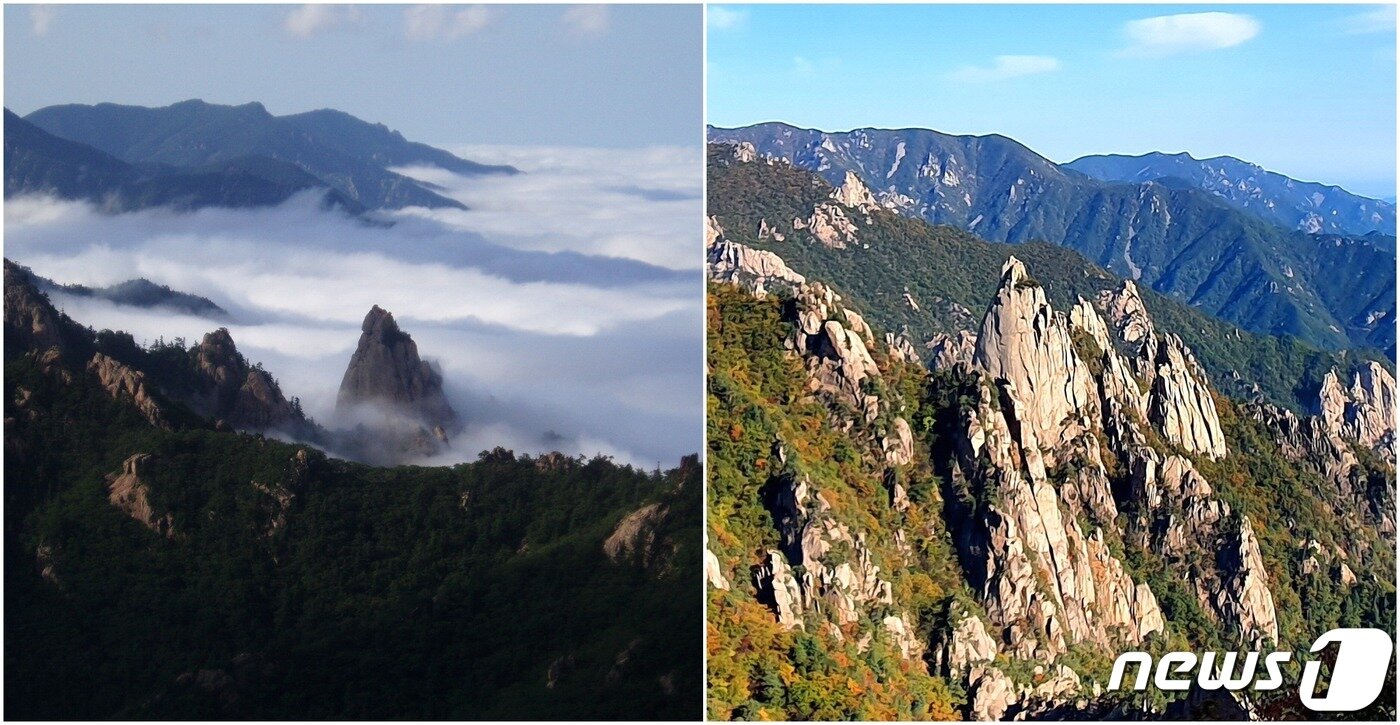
394	396
981	540
1180	241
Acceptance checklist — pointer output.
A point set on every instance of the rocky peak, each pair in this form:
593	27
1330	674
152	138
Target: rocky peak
1181	405
1363	413
241	395
855	194
386	371
1026	346
1127	313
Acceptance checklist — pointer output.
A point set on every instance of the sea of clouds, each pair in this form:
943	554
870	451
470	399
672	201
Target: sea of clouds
564	307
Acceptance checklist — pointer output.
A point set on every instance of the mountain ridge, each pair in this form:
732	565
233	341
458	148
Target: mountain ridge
343	152
1310	206
1180	241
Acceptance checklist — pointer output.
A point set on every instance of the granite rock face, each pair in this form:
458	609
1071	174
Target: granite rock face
1127	313
241	395
1026	347
1363	413
128	492
1246	599
30	321
855	194
1181	405
386	371
124	383
1044	581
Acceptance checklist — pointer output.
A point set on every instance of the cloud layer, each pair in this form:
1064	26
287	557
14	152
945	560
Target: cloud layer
431	22
1185	33
308	20
1004	67
564	314
587	19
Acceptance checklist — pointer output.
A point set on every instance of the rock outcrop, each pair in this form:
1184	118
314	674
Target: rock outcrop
837	358
778	587
385	371
1245	598
634	537
31	322
946	351
734	263
714	573
853	193
1181	405
1044	581
1026	347
1127	314
1363	413
126	384
241	395
830	225
130	494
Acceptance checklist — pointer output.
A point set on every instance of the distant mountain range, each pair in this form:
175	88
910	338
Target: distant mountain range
1330	290
195	154
1302	205
39	162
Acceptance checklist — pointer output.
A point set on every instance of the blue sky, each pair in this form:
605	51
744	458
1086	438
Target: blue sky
583	75
1308	91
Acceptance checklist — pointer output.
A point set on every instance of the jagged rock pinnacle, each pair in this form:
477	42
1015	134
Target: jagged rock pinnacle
386	370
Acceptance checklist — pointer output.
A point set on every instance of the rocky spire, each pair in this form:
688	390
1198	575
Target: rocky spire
1363	413
1028	345
386	370
854	193
1181	405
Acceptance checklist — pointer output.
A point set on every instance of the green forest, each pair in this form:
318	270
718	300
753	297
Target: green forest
286	584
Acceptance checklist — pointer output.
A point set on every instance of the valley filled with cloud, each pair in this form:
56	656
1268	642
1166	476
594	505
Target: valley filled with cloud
560	307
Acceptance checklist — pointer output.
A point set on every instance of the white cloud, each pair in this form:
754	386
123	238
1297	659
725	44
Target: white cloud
429	22
722	18
1380	19
1004	67
562	307
41	19
587	19
308	20
1188	32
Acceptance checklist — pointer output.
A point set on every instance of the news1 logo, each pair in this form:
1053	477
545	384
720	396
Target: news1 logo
1358	675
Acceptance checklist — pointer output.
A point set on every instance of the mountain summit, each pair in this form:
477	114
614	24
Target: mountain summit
386	371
